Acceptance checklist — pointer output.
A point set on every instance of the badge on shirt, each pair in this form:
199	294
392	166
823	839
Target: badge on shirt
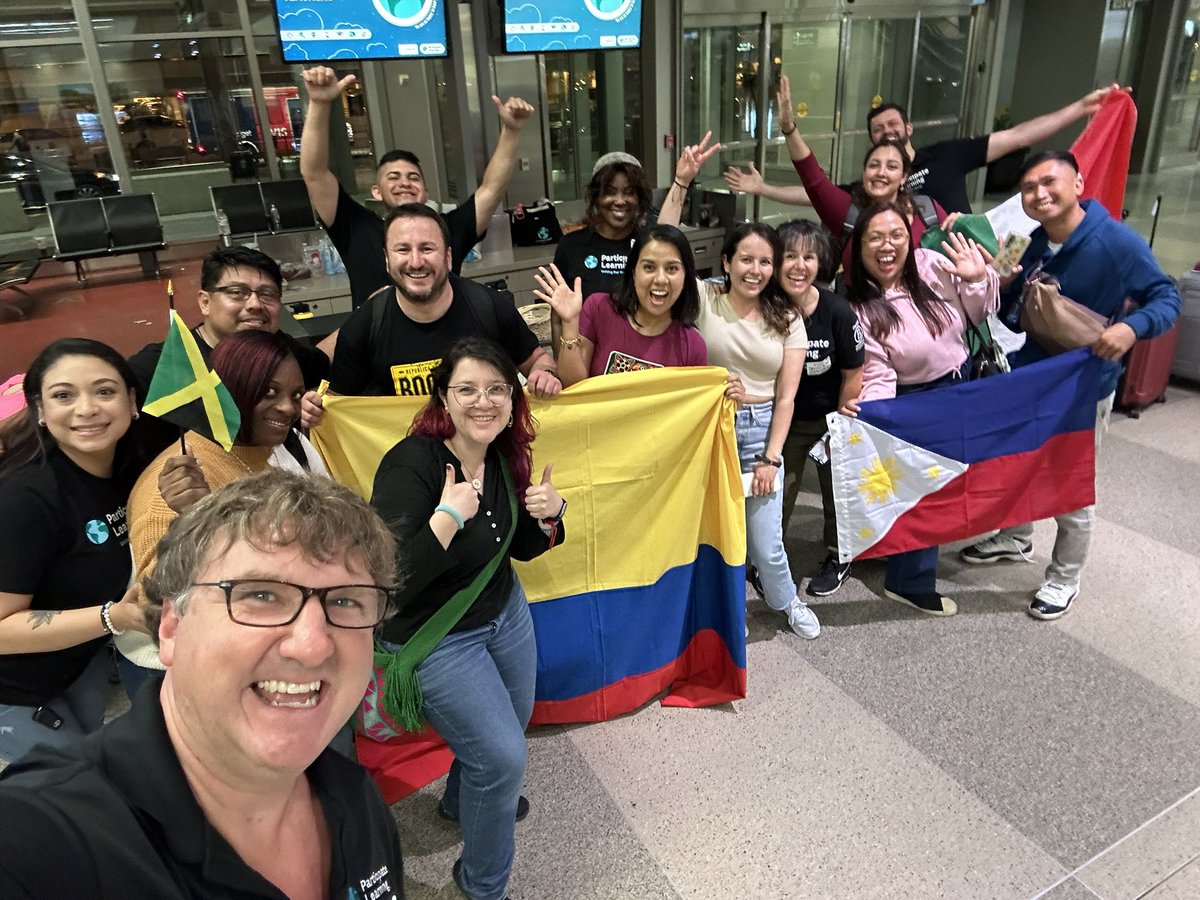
623	362
414	379
818	367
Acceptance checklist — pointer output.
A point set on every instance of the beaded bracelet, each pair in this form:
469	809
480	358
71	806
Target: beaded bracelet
106	619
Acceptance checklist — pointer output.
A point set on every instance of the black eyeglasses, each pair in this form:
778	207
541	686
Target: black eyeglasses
260	603
240	293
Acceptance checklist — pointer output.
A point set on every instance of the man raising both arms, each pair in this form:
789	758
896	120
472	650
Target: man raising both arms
356	232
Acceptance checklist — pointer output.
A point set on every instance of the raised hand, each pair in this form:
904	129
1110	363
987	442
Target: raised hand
514	112
323	85
459	495
181	483
784	98
565	300
747	182
692	157
969	264
1093	100
542	501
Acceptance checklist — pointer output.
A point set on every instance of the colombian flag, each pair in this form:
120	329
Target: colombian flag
647	594
929	468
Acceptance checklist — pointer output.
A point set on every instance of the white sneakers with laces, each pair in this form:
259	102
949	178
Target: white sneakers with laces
1053	600
803	620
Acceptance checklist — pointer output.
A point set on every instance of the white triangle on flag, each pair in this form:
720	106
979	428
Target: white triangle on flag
878	477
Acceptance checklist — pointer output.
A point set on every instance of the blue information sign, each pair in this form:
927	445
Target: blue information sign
553	25
311	30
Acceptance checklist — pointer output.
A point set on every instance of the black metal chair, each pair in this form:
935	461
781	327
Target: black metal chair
291	201
243	206
17	269
134	227
80	231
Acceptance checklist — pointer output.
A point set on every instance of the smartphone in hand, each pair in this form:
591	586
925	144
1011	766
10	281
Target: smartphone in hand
1010	254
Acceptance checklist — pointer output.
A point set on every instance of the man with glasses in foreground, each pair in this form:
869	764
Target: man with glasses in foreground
219	782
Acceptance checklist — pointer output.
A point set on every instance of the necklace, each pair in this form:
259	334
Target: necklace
476	479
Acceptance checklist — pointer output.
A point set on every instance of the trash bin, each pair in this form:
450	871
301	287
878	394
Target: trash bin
243	164
289	167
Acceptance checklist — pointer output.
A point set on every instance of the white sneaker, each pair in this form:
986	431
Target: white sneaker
803	620
1053	600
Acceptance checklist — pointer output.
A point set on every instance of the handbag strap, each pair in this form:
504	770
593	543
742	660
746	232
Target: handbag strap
402	698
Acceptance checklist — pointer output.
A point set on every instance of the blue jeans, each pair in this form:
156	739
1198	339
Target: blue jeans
764	515
478	689
81	708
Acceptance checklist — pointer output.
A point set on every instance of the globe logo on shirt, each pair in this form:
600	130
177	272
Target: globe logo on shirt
96	531
591	262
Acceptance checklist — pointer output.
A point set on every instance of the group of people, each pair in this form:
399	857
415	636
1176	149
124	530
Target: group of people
226	775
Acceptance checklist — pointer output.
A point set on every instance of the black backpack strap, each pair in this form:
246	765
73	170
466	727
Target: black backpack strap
480	303
923	205
378	307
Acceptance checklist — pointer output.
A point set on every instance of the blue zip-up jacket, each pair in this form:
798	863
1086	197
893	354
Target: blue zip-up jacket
1101	264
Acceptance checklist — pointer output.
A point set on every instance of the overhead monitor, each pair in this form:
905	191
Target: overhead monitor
319	30
549	26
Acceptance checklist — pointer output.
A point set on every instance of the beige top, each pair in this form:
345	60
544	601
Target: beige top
752	349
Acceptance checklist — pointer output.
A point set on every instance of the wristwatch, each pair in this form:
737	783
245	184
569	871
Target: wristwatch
561	512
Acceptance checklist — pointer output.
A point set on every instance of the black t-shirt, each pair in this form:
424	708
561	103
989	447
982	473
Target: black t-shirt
408	486
113	816
835	343
940	170
599	261
389	353
64	540
357	233
154	435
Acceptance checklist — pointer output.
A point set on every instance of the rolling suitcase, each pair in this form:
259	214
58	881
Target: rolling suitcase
1147	371
1187	354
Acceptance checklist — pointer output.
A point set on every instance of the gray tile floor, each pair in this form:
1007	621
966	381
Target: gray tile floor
988	755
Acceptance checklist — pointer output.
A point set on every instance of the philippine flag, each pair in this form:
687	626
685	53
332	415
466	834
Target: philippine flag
925	469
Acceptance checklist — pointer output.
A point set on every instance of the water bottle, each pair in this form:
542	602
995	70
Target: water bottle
327	260
274	217
311	257
223	226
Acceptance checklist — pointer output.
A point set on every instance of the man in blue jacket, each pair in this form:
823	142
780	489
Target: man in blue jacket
1100	263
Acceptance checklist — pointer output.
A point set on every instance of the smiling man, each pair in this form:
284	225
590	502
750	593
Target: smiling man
392	344
218	783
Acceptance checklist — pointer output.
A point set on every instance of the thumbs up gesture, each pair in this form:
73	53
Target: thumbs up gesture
542	501
459	495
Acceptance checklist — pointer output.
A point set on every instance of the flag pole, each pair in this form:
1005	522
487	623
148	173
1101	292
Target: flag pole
171	307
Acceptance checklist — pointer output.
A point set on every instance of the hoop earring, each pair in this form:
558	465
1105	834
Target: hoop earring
41	422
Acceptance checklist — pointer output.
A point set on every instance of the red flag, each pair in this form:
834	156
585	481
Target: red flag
1103	151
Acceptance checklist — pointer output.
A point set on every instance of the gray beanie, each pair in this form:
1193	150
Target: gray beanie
617	156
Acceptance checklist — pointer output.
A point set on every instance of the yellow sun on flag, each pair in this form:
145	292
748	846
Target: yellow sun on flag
933	473
877	480
855	438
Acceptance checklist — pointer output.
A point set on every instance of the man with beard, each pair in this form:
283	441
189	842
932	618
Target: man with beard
392	343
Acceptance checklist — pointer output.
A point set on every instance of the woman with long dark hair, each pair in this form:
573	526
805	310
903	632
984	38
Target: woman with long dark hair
911	305
753	331
64	545
649	322
886	167
266	384
460	497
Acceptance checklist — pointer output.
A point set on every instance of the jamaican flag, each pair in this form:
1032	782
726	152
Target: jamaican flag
187	393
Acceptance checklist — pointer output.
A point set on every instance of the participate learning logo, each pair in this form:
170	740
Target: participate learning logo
591	262
609	10
97	531
406	13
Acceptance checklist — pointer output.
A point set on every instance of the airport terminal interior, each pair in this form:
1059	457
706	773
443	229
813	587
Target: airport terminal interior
985	755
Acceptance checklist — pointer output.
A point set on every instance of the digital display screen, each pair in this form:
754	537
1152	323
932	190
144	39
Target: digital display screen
565	25
316	30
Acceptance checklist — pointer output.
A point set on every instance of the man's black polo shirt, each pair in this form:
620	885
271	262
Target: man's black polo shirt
114	816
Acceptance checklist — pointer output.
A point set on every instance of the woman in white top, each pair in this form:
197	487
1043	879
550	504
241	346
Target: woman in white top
752	330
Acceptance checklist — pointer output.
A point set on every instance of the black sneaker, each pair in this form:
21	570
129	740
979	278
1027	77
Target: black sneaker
522	810
754	581
829	577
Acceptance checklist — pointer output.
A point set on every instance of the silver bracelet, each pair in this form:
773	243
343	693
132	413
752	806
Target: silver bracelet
106	619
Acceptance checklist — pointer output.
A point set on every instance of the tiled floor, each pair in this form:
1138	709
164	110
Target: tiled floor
987	755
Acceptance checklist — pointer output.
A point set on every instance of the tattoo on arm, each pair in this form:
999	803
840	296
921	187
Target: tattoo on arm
39	617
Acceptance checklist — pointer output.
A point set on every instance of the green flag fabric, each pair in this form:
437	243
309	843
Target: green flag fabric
187	393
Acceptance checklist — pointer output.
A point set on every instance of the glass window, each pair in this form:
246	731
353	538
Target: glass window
184	101
941	67
878	67
809	58
20	22
780	171
721	83
52	144
118	18
595	107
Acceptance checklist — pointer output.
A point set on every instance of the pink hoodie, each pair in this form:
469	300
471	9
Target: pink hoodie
910	354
